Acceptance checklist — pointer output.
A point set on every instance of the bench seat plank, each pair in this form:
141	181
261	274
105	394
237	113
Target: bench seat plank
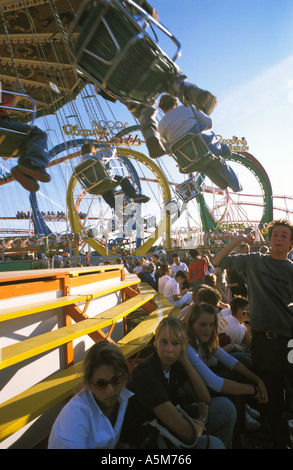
11	313
39	344
145	330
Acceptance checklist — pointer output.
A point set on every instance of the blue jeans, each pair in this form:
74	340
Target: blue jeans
221	420
127	188
35	148
210	442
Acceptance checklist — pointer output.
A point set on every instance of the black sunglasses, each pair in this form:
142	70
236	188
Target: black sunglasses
102	384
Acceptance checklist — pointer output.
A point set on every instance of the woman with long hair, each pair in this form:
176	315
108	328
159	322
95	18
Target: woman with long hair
221	372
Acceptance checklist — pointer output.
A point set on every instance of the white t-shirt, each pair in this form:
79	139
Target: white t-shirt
161	283
171	288
179	121
82	425
231	326
178	267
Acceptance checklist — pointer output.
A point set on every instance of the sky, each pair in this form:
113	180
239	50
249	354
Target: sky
242	52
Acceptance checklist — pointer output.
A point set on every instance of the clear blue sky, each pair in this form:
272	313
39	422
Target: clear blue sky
242	51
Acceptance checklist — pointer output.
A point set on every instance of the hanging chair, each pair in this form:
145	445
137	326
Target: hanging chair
191	153
93	177
11	141
187	190
113	50
190	188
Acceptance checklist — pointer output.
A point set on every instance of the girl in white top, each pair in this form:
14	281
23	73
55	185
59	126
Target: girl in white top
164	276
93	418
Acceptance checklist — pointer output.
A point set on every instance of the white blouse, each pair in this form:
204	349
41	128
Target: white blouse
82	425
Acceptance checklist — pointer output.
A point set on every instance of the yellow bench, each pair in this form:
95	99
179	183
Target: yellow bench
39	344
11	313
18	411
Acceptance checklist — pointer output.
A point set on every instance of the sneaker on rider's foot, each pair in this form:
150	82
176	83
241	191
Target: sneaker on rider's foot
27	182
140	198
36	171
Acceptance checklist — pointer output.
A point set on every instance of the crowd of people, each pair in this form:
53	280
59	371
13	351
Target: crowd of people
218	369
48	216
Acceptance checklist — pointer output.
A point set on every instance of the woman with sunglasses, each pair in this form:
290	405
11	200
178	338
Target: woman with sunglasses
166	379
93	418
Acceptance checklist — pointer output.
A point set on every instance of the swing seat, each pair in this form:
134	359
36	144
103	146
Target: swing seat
187	190
12	141
191	153
93	177
113	50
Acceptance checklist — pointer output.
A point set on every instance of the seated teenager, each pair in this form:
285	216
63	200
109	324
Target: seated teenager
93	418
231	321
164	276
156	383
221	372
147	275
172	292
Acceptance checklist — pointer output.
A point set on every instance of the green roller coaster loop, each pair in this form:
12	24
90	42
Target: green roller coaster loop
163	227
209	223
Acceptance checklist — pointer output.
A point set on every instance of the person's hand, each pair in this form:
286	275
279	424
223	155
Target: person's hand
203	410
247	238
240	348
262	396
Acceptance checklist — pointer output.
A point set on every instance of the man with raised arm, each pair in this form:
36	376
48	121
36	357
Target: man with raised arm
269	280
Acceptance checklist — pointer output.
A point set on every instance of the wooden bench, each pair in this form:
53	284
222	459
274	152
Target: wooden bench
20	410
39	344
37	307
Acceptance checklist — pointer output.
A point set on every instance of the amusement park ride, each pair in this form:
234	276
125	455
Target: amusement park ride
72	65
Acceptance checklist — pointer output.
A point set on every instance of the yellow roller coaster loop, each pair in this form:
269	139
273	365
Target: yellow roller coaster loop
163	227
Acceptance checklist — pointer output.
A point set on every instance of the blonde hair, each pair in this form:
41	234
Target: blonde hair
174	327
